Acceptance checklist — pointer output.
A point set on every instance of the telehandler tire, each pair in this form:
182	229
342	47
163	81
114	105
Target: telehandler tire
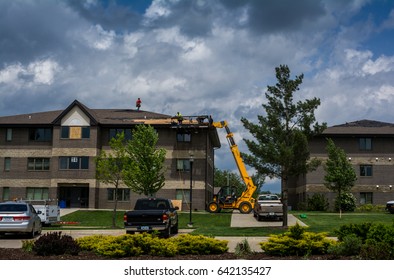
213	207
245	207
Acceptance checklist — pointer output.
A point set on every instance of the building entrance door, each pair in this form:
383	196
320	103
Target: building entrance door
74	195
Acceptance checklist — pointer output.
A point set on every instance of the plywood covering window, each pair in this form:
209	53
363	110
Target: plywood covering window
75	132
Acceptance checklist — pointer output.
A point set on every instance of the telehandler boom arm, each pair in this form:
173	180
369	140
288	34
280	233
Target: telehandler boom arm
250	187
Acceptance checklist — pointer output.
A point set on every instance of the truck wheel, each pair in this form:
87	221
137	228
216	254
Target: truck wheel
174	229
213	207
245	207
167	232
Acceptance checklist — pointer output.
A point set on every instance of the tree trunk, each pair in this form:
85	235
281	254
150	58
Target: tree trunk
115	207
285	202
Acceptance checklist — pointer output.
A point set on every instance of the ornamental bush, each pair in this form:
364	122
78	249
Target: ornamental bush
377	240
54	243
318	202
297	242
199	245
150	244
347	202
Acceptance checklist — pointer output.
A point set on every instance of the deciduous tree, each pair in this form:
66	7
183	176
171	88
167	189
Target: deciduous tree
340	175
110	165
144	173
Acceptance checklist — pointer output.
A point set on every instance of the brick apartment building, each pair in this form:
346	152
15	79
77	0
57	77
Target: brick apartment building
51	155
369	146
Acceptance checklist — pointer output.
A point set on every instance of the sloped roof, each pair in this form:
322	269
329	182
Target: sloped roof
361	127
97	116
103	117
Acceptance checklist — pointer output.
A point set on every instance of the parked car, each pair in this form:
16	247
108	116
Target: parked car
19	217
390	206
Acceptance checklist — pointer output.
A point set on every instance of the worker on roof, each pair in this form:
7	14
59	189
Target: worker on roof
179	117
138	103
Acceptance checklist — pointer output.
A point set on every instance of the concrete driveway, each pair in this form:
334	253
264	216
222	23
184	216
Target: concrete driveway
247	220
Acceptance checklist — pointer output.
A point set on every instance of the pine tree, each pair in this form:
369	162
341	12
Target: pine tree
280	145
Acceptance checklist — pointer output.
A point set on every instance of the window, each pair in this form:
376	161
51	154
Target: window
74	163
183	165
38	164
122	194
40	134
8	135
115	131
37	193
183	194
75	132
7	164
365	170
183	137
6	193
365	144
366	198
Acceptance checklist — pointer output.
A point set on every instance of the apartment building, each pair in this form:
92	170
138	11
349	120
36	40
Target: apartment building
369	147
51	155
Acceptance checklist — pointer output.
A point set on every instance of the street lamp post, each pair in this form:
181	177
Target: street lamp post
191	160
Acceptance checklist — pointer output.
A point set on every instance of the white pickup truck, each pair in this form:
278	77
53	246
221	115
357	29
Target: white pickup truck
268	206
50	211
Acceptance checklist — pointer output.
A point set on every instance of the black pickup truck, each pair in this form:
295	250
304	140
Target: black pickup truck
152	214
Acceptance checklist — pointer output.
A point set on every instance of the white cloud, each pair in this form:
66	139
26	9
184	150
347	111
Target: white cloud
156	10
99	39
382	64
41	72
10	74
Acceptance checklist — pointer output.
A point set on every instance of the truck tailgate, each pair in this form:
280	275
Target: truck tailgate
145	217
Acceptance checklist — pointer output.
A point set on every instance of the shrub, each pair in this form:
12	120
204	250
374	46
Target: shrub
350	246
243	248
370	208
377	240
112	246
27	245
163	247
199	245
360	230
147	244
54	243
348	202
373	250
90	243
318	202
297	242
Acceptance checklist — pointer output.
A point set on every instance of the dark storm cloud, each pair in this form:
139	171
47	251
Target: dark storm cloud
32	29
267	16
197	18
110	15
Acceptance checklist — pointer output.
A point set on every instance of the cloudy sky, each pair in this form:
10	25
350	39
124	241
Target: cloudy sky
198	57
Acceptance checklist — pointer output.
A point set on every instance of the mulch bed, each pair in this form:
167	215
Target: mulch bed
19	254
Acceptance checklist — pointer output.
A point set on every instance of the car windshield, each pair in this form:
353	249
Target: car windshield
13	207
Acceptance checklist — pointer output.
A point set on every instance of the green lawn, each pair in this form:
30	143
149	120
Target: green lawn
219	224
